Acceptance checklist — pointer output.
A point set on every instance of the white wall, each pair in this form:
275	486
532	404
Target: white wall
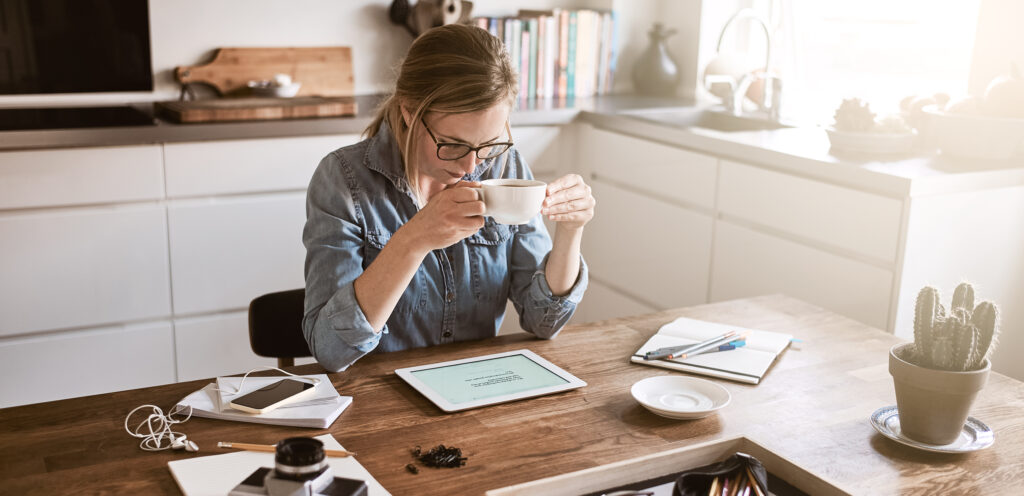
1000	39
186	32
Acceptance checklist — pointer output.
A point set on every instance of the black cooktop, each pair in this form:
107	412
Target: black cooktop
20	119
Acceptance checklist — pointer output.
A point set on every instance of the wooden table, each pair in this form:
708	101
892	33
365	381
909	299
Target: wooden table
812	408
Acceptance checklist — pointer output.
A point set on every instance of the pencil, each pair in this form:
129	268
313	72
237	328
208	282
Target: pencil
270	448
753	482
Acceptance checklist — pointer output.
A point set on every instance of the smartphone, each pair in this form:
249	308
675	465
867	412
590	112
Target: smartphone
268	398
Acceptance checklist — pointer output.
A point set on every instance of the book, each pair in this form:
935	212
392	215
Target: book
319	412
745	364
218	474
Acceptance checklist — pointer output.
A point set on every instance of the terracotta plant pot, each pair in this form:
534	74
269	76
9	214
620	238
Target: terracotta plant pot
933	404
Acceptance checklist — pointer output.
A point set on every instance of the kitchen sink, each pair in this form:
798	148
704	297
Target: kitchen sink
705	118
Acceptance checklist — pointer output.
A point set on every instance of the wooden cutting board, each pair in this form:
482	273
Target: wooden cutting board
248	109
323	71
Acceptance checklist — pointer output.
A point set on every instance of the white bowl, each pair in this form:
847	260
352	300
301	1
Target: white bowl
271	91
680	397
975	136
871	142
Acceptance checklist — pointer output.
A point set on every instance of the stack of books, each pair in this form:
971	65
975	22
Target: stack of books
559	53
319	412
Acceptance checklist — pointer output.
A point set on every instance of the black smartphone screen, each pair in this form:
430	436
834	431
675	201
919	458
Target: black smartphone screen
268	395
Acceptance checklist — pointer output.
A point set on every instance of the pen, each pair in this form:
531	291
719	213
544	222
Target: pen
270	448
706	348
665	352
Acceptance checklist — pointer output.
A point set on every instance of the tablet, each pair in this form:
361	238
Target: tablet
489	379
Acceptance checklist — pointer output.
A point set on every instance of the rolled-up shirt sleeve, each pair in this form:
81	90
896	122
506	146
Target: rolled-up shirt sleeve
541	312
333	323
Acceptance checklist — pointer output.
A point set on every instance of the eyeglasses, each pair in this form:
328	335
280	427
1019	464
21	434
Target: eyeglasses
455	151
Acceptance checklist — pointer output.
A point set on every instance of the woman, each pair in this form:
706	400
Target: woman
399	254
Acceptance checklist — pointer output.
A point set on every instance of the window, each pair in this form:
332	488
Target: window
878	50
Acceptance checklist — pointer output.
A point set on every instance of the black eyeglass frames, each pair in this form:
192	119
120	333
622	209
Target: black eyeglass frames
455	151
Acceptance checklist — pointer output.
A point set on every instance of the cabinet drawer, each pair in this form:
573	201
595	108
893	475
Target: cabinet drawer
82	267
844	218
541	147
242	166
225	252
214	345
663	170
750	263
78	176
602	303
650	249
85	362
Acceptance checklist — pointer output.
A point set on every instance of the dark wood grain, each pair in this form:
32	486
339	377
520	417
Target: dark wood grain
812	408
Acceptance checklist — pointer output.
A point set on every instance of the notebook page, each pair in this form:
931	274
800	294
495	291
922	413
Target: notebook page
694	331
218	474
743	360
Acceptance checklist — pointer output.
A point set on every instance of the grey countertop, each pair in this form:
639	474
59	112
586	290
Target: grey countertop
534	113
803	150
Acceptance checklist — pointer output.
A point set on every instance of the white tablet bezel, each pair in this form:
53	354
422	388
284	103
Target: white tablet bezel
572	382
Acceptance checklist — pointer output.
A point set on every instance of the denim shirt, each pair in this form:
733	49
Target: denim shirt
358	197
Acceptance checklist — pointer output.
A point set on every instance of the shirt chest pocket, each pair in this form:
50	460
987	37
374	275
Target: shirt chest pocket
414	295
489	265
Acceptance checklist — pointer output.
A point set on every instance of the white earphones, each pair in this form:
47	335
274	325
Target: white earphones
313	380
159	430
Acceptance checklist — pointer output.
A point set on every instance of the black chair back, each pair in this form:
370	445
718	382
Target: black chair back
275	326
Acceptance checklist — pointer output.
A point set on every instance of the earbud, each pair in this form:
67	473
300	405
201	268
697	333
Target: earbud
182	442
156	429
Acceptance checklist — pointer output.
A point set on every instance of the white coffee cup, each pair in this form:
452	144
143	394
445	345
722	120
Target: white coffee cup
512	201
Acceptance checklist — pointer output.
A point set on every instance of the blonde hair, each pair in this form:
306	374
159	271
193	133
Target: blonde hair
451	69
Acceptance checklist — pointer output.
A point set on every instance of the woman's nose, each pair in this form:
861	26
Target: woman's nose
469	163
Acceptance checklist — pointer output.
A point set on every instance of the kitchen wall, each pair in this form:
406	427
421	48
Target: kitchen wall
186	32
1000	40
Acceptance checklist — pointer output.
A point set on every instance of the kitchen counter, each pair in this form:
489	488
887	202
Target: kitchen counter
797	150
806	151
544	112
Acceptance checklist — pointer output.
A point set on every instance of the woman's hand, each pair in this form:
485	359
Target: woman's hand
447	218
569	202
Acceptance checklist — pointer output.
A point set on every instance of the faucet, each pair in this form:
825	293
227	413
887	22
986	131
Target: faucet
772	87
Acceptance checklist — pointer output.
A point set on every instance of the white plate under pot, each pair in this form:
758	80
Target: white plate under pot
680	397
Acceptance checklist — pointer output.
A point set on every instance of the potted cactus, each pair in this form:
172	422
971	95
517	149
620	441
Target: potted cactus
938	375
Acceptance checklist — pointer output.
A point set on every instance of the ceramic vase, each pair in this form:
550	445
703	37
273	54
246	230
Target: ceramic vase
655	71
933	404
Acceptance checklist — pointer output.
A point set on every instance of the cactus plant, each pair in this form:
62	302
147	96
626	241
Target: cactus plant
959	341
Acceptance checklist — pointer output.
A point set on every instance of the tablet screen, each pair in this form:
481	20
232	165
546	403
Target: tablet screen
488	378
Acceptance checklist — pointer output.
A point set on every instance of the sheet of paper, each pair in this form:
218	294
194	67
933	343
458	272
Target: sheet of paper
699	330
218	474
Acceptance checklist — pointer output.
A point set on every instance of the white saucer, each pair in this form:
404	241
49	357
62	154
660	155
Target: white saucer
679	397
973	437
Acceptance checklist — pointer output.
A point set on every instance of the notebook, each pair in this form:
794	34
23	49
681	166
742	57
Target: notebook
746	364
218	474
318	412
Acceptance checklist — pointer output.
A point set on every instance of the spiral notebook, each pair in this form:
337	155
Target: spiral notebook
747	364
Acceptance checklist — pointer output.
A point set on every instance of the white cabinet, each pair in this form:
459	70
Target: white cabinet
840	218
80	176
66	268
85	361
213	345
681	176
227	251
751	263
246	166
649	244
649	250
602	302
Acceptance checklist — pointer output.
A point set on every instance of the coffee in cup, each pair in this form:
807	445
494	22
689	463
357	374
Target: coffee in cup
512	201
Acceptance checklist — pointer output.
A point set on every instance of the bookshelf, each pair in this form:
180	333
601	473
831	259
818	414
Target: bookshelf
559	53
